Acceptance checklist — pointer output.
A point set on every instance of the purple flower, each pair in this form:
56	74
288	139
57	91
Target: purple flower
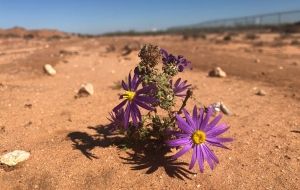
179	88
197	133
180	61
135	98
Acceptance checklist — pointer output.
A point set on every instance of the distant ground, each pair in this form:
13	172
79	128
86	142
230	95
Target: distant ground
68	140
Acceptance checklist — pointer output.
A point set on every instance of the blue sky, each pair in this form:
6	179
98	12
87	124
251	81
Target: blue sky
98	16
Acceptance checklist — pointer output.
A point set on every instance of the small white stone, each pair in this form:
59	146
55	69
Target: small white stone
217	72
49	69
198	186
86	90
14	157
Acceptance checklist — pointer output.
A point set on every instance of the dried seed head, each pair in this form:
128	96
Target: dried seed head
150	54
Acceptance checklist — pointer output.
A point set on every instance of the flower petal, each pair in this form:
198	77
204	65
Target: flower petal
124	85
178	142
210	153
183	125
144	105
183	151
194	158
216	131
214	122
207	158
119	106
126	116
189	119
200	158
206	119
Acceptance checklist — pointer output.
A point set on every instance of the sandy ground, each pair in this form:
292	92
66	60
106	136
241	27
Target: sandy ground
68	141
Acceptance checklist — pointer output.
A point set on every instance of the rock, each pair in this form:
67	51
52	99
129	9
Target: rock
280	68
86	90
14	157
49	70
257	60
216	106
220	106
217	72
261	93
225	109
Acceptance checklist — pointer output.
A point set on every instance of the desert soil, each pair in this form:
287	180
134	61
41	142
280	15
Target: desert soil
68	140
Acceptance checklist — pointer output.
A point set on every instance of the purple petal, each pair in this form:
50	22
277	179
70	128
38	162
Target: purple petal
144	90
219	140
147	99
124	85
143	105
217	144
214	122
194	158
200	158
207	158
200	119
220	129
178	142
210	153
189	119
177	82
137	111
126	116
129	81
195	115
183	151
206	119
119	106
184	126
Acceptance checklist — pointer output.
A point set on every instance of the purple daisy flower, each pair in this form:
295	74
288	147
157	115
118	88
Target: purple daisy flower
135	98
180	61
197	133
179	88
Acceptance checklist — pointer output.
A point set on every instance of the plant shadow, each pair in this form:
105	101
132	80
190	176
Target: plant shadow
141	156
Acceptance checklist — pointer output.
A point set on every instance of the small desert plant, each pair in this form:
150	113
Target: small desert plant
152	88
227	38
251	36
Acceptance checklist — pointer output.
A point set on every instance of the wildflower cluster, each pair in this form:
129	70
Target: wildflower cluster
147	110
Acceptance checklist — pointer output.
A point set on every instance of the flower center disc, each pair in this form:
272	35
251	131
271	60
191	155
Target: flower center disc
199	137
129	95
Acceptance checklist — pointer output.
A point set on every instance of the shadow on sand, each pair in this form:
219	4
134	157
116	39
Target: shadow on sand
149	158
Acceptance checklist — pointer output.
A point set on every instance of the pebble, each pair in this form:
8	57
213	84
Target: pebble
217	72
14	157
198	186
257	60
261	93
225	109
49	70
86	90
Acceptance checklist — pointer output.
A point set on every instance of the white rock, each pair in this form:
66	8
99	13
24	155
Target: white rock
14	157
86	90
49	69
225	109
217	72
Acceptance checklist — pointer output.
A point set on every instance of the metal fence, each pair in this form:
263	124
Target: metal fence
273	19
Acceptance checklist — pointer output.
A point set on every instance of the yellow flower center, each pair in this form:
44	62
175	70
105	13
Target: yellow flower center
199	137
129	95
